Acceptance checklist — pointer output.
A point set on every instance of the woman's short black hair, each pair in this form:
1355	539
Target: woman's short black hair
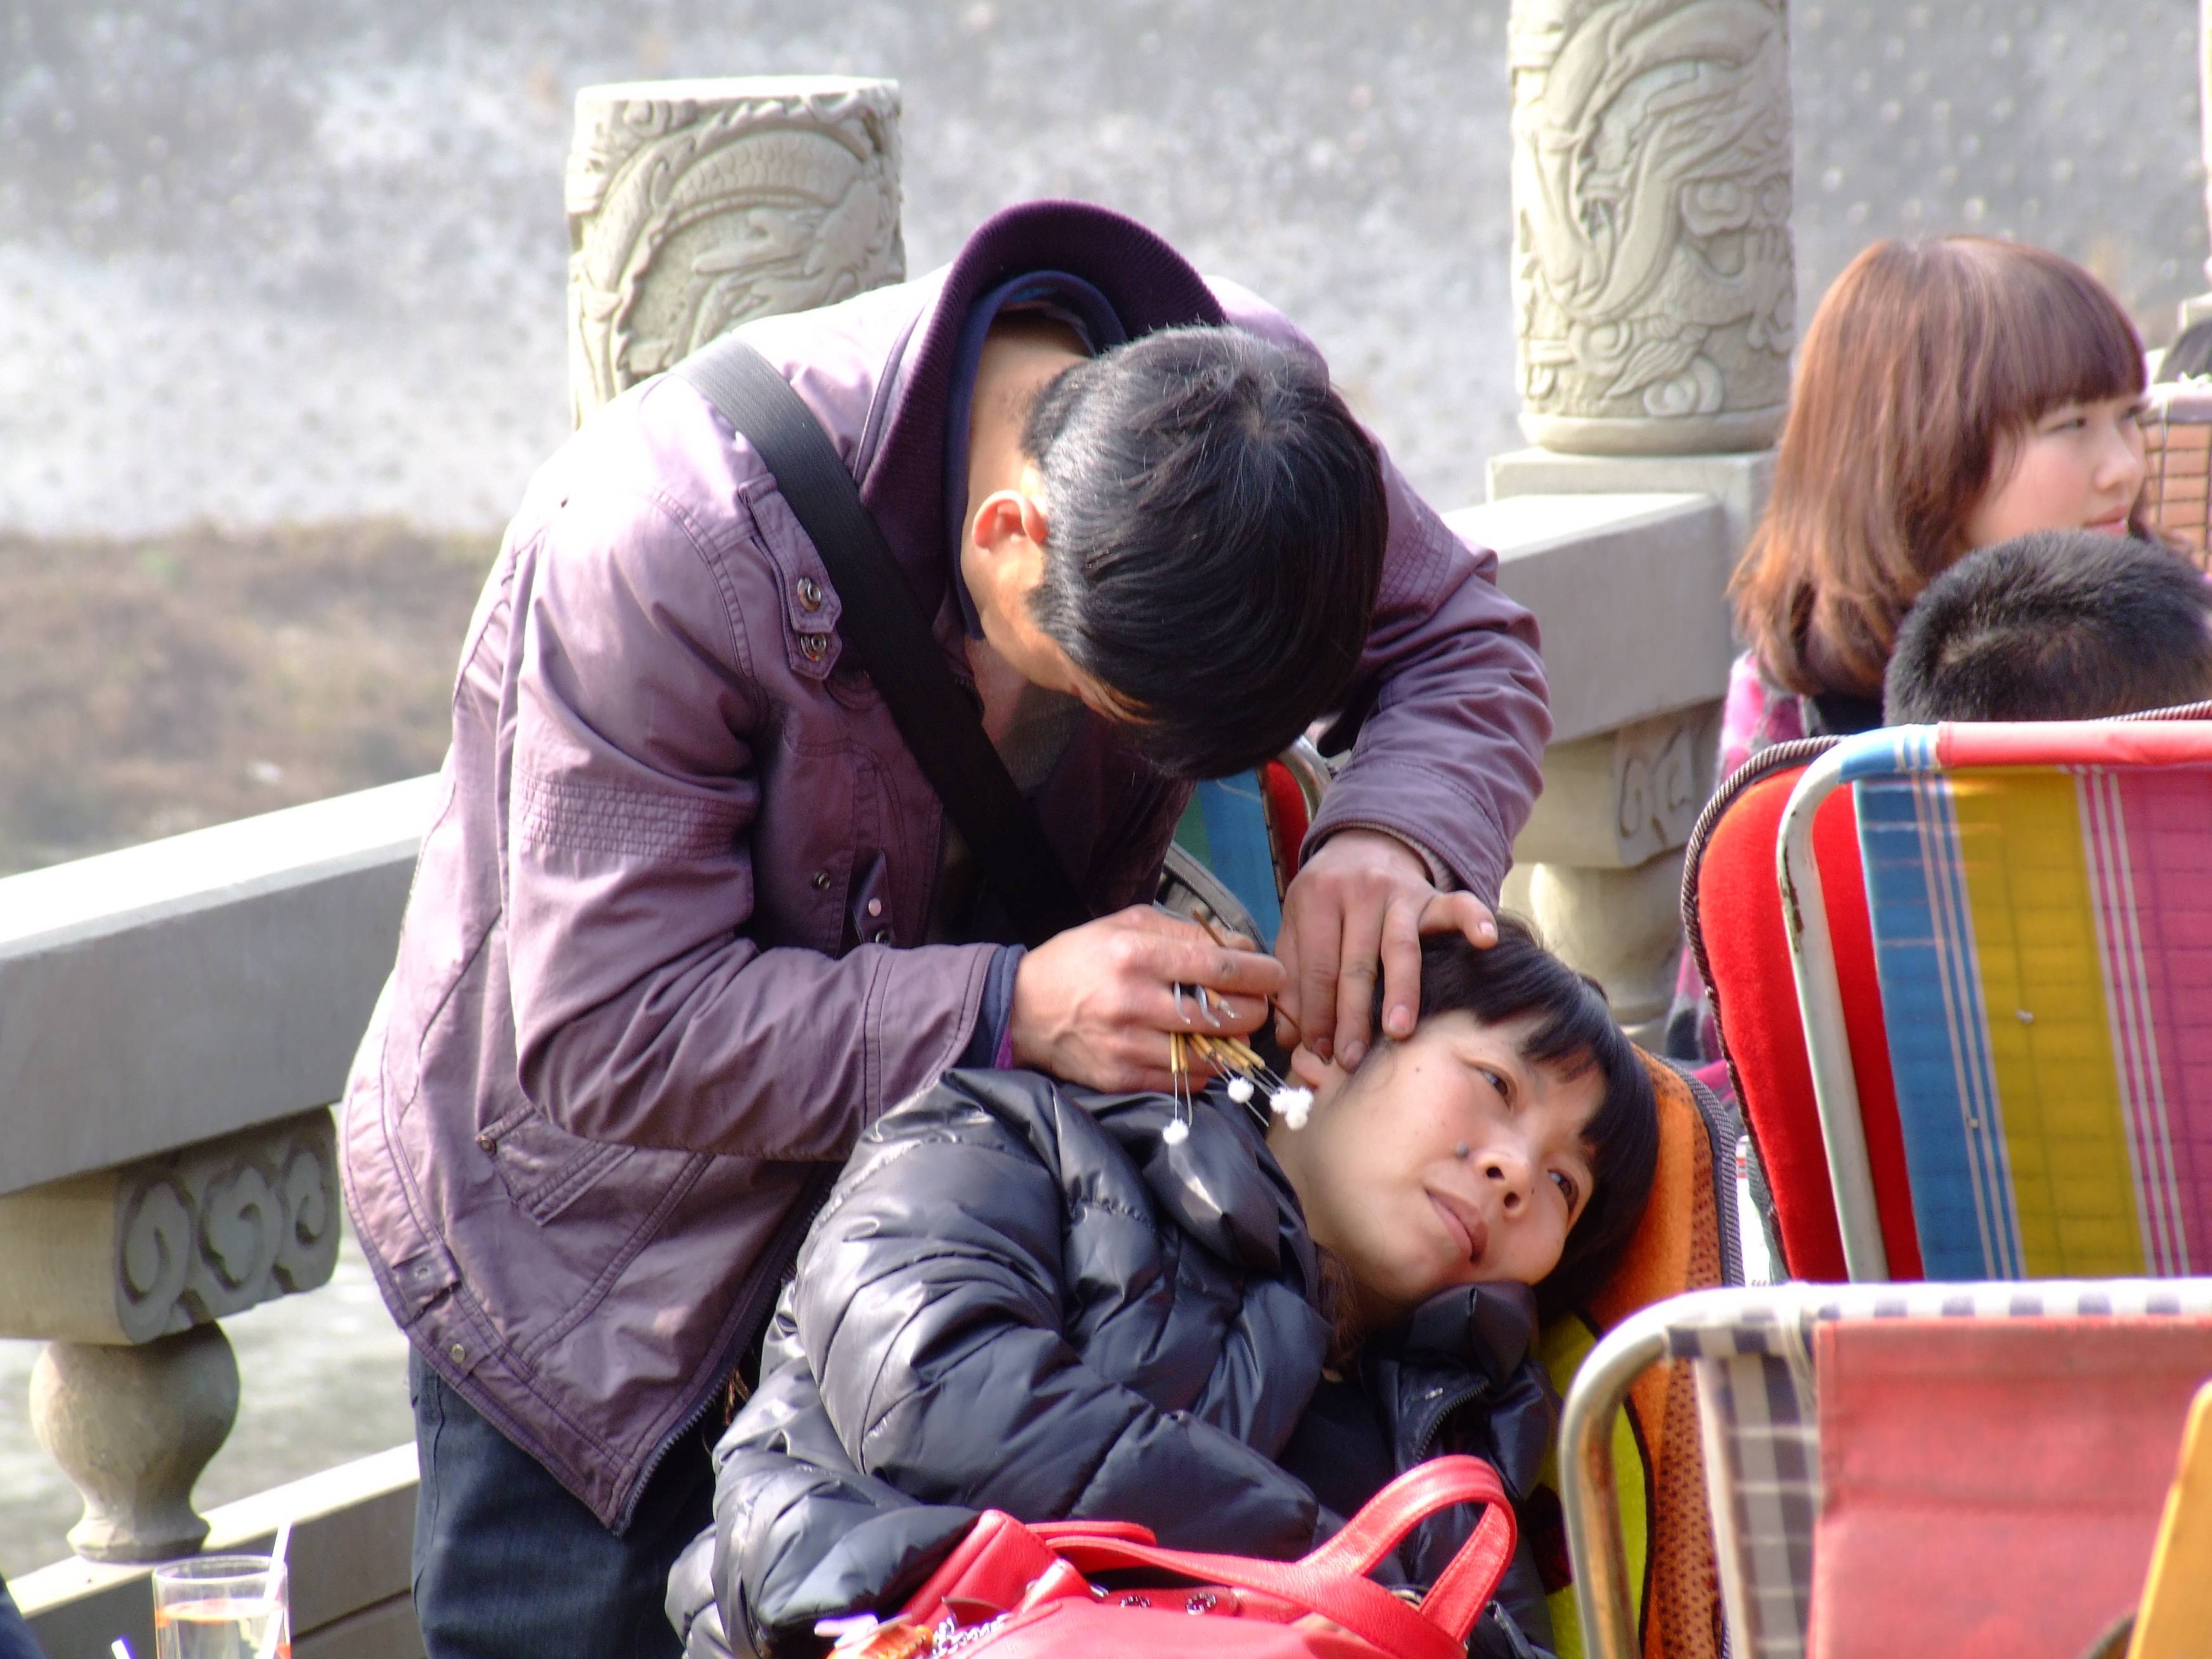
1217	519
1575	1029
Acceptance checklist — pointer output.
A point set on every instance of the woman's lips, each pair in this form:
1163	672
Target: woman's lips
2115	526
1465	1224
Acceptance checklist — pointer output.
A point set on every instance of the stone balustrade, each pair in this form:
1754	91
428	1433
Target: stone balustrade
178	1017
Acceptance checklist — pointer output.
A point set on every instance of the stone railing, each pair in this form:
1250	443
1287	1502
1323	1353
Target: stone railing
176	1019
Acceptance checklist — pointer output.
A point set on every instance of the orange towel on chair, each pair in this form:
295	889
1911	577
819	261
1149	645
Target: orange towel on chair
1990	1489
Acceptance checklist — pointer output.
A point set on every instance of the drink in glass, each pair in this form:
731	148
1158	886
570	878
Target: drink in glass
221	1607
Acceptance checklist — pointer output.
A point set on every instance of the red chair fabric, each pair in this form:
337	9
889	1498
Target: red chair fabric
1732	911
1991	1488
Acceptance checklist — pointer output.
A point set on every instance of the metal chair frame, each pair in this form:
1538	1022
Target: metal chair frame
1762	1337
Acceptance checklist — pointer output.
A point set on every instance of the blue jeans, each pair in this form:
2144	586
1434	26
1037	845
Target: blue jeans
16	1641
508	1565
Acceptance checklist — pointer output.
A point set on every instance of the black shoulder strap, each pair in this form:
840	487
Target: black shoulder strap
883	621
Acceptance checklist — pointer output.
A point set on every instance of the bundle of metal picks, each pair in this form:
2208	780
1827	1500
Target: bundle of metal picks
1247	1073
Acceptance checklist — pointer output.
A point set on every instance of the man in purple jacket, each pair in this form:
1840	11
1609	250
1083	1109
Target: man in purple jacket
689	917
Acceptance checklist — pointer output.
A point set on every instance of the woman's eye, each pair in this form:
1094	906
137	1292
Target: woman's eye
1567	1187
1496	1080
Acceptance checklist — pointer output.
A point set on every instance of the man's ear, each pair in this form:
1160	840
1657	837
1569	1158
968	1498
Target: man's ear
1011	522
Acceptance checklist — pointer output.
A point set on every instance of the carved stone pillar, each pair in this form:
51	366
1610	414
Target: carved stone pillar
1598	867
2196	310
124	1273
1654	276
694	205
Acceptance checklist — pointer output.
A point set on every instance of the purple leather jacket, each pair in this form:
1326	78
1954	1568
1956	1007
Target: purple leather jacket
661	965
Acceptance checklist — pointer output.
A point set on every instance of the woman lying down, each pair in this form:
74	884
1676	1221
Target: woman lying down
1025	1296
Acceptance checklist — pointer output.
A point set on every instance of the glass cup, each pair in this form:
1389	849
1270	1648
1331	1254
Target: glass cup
221	1607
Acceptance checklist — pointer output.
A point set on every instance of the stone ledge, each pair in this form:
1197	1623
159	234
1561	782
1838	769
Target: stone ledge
1627	591
180	990
353	1535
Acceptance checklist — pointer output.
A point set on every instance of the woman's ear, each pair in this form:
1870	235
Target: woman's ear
1310	1071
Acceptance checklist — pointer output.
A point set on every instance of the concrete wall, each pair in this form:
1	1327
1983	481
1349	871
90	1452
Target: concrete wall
262	261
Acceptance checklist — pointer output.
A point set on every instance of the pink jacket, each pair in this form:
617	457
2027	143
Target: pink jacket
661	962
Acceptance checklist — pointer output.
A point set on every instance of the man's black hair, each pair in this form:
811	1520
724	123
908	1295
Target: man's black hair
1217	519
1575	1029
2058	624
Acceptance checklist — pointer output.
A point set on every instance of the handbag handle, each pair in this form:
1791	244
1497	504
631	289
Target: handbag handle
1331	1581
1455	1600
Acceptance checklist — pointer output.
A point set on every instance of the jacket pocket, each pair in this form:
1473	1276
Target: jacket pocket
545	1168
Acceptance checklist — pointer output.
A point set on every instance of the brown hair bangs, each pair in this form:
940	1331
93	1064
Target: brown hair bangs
1923	361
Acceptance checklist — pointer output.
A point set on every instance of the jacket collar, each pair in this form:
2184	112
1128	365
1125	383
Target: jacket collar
1149	285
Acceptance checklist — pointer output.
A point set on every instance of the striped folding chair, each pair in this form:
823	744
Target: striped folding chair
1756	1357
2040	897
2177	498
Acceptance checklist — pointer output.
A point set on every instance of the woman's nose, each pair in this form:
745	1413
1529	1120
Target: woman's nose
2122	467
1511	1172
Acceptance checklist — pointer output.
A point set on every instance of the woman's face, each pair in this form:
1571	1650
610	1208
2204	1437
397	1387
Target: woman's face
2080	467
1449	1158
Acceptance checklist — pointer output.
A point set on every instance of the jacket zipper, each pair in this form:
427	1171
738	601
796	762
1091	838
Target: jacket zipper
749	1328
1442	1414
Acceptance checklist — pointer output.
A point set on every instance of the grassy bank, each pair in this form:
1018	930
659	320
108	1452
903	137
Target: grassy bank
157	685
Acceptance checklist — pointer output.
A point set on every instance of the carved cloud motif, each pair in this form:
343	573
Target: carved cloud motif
1654	271
215	1229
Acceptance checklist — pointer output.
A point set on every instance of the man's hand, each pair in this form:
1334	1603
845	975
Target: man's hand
1095	1004
1360	906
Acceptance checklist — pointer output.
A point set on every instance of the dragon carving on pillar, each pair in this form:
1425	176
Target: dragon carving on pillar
1654	271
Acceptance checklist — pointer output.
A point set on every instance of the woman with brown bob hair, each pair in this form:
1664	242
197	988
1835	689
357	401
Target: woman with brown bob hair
1917	433
1951	393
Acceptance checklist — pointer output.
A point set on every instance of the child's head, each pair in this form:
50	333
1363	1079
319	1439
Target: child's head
2063	625
1950	394
1512	1136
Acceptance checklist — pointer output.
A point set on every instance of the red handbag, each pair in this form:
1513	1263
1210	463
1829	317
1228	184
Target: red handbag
1011	1591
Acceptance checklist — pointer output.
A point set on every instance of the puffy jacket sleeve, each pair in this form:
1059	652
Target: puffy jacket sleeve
933	1321
645	1011
1449	758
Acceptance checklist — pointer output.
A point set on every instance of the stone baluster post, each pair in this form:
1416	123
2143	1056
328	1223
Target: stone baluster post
124	1273
695	205
1654	291
2196	310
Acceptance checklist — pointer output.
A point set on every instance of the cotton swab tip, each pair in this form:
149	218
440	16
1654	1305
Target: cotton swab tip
1292	1105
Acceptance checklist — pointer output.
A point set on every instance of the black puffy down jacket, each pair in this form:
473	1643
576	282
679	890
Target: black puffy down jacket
1018	1296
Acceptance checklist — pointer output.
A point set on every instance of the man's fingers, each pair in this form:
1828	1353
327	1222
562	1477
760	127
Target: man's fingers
1358	962
1402	969
1287	1014
1198	960
1316	1004
1215	1014
1461	913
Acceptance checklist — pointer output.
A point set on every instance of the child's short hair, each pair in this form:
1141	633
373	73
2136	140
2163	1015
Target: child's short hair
2058	624
1575	1029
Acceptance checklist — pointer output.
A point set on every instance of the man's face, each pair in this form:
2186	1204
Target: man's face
1003	564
